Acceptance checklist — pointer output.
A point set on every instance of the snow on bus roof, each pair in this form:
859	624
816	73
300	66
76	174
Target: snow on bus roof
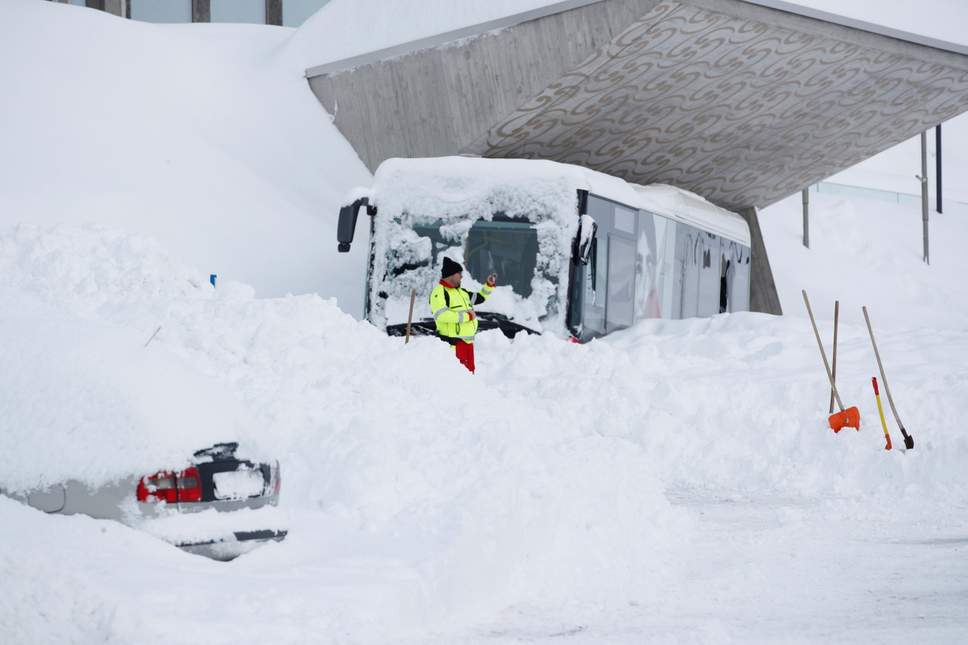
461	186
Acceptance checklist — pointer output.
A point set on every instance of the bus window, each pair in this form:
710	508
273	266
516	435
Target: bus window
620	307
509	249
596	285
710	273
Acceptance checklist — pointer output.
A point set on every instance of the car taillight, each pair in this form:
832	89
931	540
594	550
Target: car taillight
166	486
189	485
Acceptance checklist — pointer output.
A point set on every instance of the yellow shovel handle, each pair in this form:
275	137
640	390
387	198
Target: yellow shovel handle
880	411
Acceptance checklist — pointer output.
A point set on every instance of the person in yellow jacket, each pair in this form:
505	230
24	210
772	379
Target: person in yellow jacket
453	310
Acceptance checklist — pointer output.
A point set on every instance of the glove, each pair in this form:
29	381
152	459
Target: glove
470	316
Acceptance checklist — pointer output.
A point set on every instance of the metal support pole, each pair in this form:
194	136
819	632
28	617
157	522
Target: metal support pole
924	193
274	12
201	10
937	165
806	217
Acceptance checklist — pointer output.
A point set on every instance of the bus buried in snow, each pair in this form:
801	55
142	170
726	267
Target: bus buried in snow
577	252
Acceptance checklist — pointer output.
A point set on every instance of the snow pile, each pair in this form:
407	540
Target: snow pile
654	485
122	268
737	404
558	474
81	612
489	497
88	401
211	525
869	252
204	137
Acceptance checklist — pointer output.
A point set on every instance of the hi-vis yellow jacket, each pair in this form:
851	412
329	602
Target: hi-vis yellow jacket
451	308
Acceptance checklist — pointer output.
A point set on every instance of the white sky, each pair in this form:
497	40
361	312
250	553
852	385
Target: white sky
345	28
941	19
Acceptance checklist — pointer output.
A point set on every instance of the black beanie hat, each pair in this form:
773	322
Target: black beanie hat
450	268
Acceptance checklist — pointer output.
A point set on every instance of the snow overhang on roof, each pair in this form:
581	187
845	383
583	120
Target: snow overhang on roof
742	102
456	186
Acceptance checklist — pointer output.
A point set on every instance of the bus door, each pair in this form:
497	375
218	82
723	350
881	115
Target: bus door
620	303
608	292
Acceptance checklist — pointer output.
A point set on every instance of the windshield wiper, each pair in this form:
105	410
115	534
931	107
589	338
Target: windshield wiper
491	320
487	320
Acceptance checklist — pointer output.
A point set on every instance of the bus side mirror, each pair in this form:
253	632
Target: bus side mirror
586	238
346	227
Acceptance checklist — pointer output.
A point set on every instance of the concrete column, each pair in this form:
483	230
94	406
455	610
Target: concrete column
201	11
274	12
806	217
763	295
924	193
937	167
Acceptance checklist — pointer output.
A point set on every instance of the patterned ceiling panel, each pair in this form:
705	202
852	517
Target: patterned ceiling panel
740	111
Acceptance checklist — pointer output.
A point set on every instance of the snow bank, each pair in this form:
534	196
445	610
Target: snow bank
558	483
869	252
88	401
490	497
308	372
557	474
204	137
211	525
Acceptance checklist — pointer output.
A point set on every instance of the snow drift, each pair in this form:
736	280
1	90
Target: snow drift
204	137
557	474
675	482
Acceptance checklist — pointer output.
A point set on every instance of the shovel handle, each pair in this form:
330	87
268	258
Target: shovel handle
880	368
833	359
823	354
413	297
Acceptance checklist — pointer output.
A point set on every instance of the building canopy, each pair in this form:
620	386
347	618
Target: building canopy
741	102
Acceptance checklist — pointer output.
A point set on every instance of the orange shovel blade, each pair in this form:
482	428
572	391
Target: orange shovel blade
849	418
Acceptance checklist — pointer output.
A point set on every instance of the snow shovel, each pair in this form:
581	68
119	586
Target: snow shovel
908	439
833	359
849	417
880	411
413	297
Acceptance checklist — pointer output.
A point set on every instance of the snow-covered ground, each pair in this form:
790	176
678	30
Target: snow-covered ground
673	483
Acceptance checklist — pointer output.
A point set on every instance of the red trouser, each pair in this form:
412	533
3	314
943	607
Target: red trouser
465	354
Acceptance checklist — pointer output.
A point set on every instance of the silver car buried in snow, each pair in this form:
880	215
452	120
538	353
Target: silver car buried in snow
220	506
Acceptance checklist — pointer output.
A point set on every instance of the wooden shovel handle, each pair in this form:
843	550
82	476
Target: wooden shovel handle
413	297
823	354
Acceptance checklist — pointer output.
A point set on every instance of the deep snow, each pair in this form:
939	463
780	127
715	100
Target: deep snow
204	137
673	483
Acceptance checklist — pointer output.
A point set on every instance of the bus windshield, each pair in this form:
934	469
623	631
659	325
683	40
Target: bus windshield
505	247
